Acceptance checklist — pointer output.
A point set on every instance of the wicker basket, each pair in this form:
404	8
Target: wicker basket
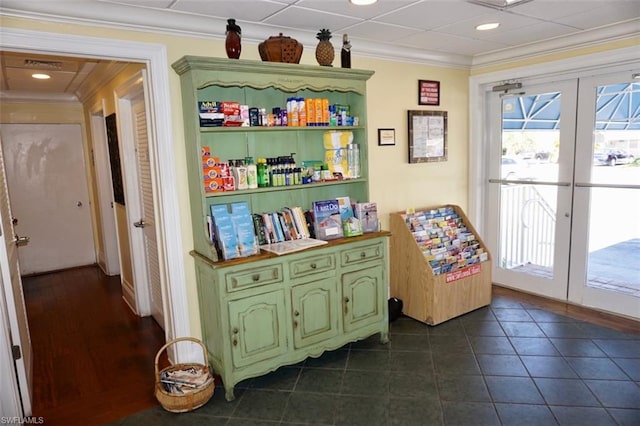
189	401
280	49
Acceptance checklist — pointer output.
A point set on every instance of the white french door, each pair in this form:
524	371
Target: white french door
605	254
530	183
567	220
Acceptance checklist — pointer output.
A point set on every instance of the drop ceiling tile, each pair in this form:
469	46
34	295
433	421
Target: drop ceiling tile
530	33
306	19
241	10
431	14
543	9
157	4
433	40
344	7
467	28
379	32
605	15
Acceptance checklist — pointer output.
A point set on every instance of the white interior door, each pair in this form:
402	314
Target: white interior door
148	220
605	255
14	296
47	184
530	184
138	185
108	257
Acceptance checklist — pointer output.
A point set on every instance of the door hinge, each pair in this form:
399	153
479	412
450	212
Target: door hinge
17	354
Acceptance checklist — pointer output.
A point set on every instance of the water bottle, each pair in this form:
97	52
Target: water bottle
353	160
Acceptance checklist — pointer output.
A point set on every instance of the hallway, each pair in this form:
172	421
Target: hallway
93	358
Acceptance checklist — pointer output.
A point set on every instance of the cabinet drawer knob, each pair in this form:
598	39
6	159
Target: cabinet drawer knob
346	300
313	266
255	277
235	330
296	313
363	255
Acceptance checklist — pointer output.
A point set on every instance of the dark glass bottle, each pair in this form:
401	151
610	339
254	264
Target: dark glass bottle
232	43
345	53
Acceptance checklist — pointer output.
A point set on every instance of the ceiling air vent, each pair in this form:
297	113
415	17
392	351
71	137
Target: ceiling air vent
51	65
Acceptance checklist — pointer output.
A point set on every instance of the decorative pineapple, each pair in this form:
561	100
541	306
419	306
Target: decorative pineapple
324	49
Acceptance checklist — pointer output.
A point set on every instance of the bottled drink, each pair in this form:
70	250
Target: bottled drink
263	173
353	160
252	173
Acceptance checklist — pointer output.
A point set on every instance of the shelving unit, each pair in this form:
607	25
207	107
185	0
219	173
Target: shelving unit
265	311
428	297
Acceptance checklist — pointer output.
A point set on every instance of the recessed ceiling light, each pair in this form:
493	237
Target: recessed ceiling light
489	26
363	2
41	76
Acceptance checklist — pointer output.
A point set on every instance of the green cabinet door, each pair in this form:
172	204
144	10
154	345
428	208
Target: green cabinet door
362	297
257	328
315	311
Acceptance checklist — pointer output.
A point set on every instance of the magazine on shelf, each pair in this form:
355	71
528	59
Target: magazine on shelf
326	219
368	215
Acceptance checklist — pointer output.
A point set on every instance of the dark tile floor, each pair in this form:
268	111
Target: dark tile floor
509	364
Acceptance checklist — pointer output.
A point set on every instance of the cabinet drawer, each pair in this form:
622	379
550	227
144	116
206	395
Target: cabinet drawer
362	254
247	278
311	265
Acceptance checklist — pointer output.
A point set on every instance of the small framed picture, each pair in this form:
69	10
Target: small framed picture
428	92
386	137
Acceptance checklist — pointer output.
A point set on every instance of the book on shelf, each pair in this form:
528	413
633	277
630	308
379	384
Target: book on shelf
326	219
351	226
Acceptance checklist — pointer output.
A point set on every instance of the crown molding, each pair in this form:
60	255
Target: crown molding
98	79
30	97
608	34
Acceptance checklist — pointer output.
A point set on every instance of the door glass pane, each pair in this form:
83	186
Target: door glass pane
614	240
530	147
530	137
614	224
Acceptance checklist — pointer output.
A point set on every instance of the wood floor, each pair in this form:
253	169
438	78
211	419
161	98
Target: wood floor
93	358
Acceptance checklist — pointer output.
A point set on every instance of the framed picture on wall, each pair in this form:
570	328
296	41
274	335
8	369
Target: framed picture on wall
427	136
386	137
428	92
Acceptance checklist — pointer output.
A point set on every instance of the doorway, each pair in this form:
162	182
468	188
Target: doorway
561	167
155	58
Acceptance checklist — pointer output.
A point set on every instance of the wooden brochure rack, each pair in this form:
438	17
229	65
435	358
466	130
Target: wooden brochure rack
435	298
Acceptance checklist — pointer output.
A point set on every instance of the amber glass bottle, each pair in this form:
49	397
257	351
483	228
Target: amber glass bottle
232	43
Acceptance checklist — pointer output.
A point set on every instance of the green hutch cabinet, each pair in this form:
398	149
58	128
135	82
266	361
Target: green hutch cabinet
262	312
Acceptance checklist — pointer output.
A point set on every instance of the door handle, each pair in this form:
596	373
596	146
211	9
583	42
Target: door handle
139	224
21	241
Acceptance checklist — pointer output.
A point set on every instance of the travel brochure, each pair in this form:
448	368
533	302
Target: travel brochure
236	232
